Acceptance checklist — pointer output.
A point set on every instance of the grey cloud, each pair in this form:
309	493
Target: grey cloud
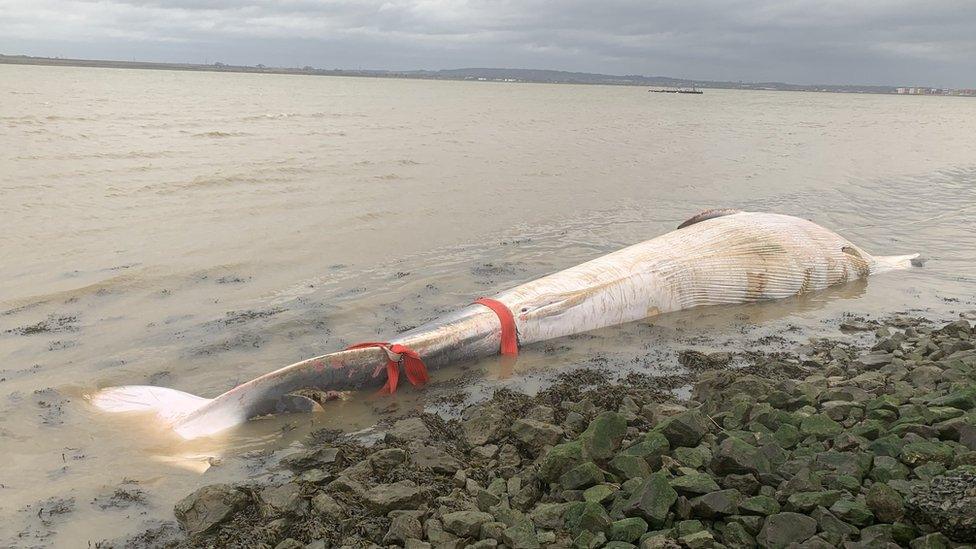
826	41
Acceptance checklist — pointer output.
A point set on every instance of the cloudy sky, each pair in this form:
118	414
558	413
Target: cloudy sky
931	42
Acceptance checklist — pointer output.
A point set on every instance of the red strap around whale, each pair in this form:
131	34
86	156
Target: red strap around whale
413	365
509	344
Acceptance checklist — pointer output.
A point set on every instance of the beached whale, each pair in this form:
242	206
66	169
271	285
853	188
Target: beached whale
716	257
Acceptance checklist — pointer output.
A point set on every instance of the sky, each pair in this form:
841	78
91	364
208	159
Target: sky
884	42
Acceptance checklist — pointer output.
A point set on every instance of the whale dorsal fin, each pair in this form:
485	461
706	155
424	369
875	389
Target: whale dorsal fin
708	214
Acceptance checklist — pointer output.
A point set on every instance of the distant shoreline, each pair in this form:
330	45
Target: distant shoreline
490	75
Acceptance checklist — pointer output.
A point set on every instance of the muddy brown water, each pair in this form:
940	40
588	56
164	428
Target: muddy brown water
195	230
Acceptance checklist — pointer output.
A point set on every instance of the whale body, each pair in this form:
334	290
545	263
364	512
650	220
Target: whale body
717	257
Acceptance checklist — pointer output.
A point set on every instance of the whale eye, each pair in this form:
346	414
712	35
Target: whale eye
525	309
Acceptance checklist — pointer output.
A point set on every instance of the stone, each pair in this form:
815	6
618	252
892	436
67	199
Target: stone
888	468
747	483
652	500
492	530
886	504
387	459
581	516
432	458
947	503
694	458
549	516
736	536
787	435
309	459
651	448
209	506
820	426
520	537
465	523
698	540
483	423
603	435
782	529
583	475
629	466
281	500
327	506
717	504
685	428
852	512
536	434
408	430
759	505
403	527
931	541
832	528
804	502
560	459
384	498
735	456
289	543
628	529
694	484
963	399
917	453
599	493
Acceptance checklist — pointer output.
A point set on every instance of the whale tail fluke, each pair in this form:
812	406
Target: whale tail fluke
169	404
894	262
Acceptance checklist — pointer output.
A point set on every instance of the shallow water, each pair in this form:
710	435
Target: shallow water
195	230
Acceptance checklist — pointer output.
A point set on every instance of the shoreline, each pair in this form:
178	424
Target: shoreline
818	445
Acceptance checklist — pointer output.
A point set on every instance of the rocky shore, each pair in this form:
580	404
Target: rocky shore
825	445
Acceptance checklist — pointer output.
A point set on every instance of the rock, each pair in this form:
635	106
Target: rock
852	512
737	456
820	426
493	530
698	540
787	436
435	533
209	506
736	536
483	423
685	428
317	457
582	476
694	484
327	506
346	485
408	430
747	483
918	453
930	541
384	498
560	459
832	528
948	503
465	523
549	516
402	528
759	505
290	543
536	434
603	436
629	466
520	537
963	399
281	500
386	459
886	504
582	516
411	544
717	504
434	459
888	468
628	529
782	529
599	493
694	458
652	500
804	502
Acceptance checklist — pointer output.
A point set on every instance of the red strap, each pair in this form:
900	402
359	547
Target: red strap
509	344
413	365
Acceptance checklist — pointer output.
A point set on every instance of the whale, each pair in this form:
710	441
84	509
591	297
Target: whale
717	257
